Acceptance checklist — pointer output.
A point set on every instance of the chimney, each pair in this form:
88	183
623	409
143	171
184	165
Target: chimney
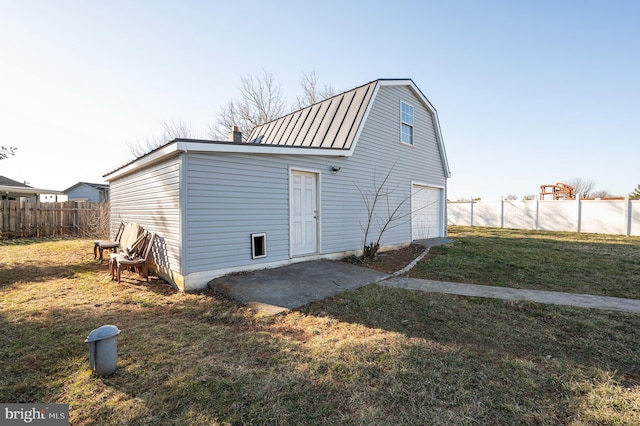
235	135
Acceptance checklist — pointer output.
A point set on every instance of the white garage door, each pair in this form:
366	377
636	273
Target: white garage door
426	208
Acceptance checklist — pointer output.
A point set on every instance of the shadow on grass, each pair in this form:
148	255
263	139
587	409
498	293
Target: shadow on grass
371	356
34	272
197	361
31	271
8	240
576	337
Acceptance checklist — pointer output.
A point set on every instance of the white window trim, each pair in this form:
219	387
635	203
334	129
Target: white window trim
413	135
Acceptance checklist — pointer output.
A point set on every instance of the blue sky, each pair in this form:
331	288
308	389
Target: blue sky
527	93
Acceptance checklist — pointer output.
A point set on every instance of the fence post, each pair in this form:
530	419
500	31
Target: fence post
501	212
627	215
472	202
579	213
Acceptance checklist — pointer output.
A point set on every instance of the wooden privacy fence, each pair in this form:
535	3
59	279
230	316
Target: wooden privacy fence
36	219
620	217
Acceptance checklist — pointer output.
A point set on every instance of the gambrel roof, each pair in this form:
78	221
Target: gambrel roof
327	128
336	122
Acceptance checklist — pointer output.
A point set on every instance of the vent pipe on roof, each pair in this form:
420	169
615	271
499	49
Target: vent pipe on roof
235	135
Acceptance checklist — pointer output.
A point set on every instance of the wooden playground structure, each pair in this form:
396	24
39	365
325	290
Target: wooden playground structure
564	191
558	191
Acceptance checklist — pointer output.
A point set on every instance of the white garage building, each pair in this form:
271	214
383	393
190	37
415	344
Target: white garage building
296	189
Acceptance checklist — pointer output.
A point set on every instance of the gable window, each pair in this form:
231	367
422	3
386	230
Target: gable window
406	119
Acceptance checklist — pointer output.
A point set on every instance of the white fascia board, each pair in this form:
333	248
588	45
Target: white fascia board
193	146
146	160
443	151
356	138
248	148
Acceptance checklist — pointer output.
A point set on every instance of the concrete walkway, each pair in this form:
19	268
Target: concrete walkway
271	291
504	293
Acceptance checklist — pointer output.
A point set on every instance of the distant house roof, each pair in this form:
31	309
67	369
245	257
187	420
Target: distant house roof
10	186
332	123
5	181
98	186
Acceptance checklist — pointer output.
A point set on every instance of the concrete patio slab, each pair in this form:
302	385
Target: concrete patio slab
271	291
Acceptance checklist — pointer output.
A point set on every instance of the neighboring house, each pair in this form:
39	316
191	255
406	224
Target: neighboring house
294	191
85	191
13	190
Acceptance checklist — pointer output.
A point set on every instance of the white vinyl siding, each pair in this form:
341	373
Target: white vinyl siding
228	198
231	196
150	197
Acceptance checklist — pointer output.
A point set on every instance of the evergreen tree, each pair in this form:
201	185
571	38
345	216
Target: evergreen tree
635	195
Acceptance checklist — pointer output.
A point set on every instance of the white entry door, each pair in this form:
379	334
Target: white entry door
426	212
304	213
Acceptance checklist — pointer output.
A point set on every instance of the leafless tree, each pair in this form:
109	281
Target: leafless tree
511	197
311	90
261	100
529	197
383	214
582	187
601	194
6	151
170	130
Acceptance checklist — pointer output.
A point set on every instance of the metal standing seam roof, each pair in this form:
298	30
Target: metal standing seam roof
332	123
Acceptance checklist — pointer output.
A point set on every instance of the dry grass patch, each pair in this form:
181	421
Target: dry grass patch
372	356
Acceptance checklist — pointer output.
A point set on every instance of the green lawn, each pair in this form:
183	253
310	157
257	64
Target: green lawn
607	265
372	356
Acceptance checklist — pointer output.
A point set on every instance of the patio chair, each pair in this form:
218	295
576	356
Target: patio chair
137	258
100	245
130	249
126	235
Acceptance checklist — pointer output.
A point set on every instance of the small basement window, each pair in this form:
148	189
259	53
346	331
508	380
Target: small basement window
258	245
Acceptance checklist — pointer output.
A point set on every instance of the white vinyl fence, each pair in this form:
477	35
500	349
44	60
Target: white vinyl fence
621	217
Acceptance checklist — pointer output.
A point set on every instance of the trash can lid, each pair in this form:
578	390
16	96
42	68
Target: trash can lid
101	333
